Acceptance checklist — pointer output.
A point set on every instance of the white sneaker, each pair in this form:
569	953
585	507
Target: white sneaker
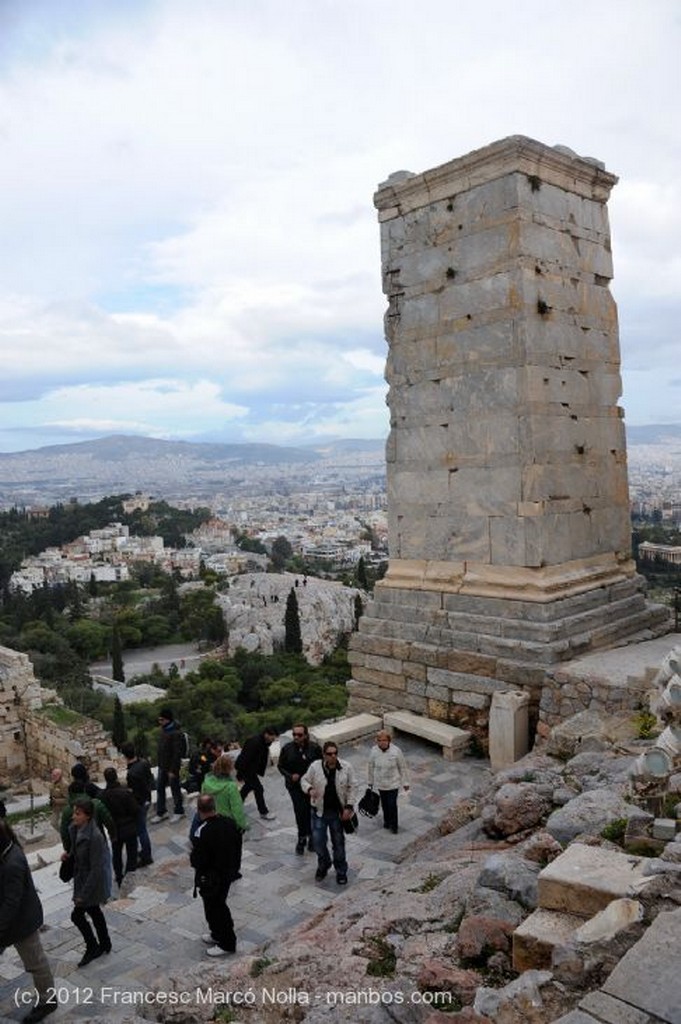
219	951
174	818
157	818
268	817
207	937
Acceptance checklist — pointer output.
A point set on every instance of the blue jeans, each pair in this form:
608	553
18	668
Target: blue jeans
331	824
162	781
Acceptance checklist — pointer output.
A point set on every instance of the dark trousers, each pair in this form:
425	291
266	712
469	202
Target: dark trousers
252	784
143	833
301	809
218	915
130	845
389	807
79	918
162	781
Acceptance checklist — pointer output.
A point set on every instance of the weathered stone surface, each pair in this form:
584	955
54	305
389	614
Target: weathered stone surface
585	879
517	807
512	875
535	940
480	936
588	814
523	1001
508	509
441	976
646	977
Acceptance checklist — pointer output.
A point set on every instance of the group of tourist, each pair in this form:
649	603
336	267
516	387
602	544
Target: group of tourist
323	792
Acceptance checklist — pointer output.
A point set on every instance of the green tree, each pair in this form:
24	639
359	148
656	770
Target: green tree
293	643
117	671
281	553
90	639
361	574
118	731
359	610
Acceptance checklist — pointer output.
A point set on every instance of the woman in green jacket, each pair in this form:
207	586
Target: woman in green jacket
220	785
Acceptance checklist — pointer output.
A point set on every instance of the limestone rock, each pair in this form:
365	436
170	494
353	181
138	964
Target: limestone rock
517	807
439	976
588	814
523	1001
512	875
254	607
479	937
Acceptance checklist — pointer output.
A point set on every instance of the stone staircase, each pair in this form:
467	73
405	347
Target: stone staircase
573	894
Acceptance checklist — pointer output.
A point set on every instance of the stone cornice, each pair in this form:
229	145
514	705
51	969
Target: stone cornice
517	153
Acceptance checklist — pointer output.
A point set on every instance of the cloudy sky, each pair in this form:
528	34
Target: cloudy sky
189	245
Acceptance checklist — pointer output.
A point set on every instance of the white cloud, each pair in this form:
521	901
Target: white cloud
187	191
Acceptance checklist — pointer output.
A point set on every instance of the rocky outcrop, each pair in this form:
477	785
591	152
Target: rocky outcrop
254	607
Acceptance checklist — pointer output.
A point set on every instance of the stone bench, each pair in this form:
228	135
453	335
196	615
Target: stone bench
452	740
345	730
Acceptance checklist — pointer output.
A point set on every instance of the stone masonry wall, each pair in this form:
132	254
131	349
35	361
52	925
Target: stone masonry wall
31	744
508	511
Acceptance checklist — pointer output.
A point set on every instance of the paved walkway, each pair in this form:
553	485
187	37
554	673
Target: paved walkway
156	929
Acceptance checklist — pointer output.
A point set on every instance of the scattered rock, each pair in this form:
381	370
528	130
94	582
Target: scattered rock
517	806
480	937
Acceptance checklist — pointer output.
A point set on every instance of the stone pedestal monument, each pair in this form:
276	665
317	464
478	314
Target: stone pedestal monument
509	530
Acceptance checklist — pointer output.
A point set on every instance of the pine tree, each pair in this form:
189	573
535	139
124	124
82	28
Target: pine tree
117	672
118	731
293	643
359	610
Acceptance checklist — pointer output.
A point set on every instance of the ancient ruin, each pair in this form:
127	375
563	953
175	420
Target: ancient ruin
509	530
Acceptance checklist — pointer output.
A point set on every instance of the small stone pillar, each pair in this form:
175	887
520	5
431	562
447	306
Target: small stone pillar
509	737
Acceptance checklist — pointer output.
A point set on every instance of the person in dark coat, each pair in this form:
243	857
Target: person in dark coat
21	916
141	781
124	810
90	884
214	857
251	765
294	760
82	783
169	760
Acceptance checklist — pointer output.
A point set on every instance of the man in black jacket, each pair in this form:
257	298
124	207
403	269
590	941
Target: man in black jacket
124	809
215	859
294	760
170	749
140	782
251	765
21	915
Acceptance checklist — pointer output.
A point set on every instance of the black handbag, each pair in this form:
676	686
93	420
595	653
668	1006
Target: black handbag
350	825
369	804
67	868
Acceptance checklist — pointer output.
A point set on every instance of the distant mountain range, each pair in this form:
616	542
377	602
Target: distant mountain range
122	464
654	433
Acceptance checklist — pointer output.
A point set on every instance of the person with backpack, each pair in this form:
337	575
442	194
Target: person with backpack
140	781
171	750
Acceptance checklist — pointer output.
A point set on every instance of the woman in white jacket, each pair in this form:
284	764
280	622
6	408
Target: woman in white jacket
333	791
388	771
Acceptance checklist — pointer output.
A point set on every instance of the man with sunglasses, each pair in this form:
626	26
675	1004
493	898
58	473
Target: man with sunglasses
294	760
332	788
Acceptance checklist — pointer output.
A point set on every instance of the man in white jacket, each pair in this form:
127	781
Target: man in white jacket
332	789
388	771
